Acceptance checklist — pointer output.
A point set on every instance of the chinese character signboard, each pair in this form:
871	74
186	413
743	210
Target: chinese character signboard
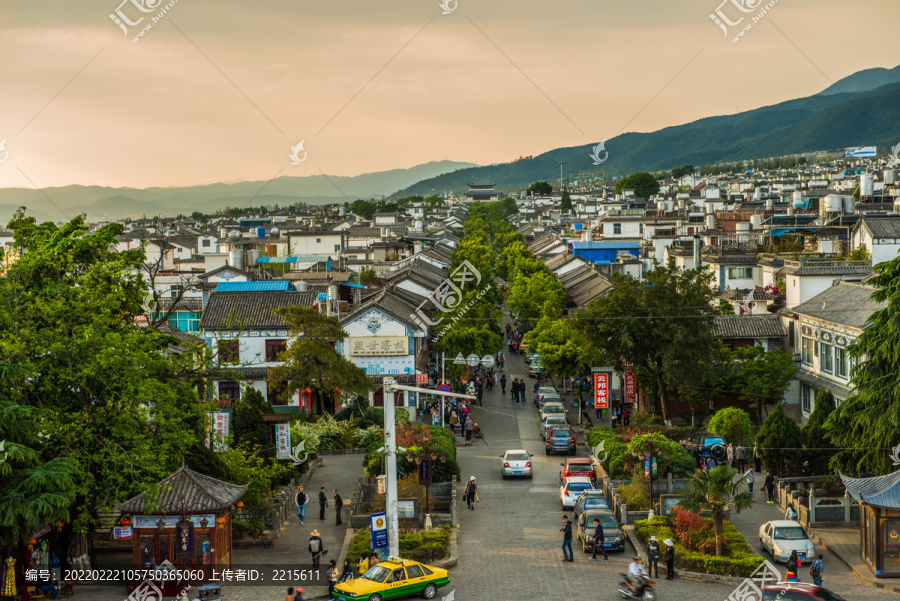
630	386
378	521
386	366
282	441
219	425
425	471
421	378
375	346
646	466
122	532
601	391
184	539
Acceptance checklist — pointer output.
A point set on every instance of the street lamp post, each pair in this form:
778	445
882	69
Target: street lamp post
560	176
390	447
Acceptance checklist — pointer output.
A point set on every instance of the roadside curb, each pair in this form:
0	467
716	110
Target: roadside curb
345	546
682	574
452	561
859	573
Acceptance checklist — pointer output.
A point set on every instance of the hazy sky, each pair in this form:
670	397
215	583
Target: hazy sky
221	90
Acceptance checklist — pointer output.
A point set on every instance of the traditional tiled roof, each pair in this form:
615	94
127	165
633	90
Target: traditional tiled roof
187	488
882	227
845	303
250	310
878	491
387	301
217	271
825	267
749	326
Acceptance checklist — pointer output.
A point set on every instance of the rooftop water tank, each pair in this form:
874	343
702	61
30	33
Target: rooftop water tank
755	222
419	225
254	256
797	201
234	235
670	206
770	203
833	204
301	286
888	177
237	258
661	206
849	205
866	184
710	222
274	232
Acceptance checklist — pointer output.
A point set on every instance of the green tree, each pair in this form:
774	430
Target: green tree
539	295
780	443
651	324
643	184
716	491
249	426
566	203
815	435
679	172
762	376
540	188
732	423
311	361
508	207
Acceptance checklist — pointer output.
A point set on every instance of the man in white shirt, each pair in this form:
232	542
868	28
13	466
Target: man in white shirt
636	574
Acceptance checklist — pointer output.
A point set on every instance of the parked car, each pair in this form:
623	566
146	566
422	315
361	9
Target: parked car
580	466
516	463
529	355
553	421
613	536
552	408
712	445
571	488
797	591
535	368
560	440
547	399
780	537
393	578
591	500
544	391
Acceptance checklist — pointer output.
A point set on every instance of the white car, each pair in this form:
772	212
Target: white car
553	421
571	488
780	537
552	409
516	462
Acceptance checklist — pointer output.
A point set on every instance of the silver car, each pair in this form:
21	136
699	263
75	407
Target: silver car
553	421
780	537
550	408
516	463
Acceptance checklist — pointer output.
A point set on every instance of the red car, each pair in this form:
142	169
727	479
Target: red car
798	591
577	467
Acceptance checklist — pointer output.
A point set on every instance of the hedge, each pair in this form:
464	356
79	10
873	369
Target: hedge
741	560
424	546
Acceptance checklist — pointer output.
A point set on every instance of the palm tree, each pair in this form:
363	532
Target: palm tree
715	491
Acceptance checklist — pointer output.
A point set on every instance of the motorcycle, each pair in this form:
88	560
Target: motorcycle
643	590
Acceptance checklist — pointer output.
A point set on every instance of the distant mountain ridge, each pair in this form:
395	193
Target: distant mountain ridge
100	202
862	109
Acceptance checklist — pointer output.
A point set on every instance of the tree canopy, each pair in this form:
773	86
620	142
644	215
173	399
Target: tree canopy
644	184
540	188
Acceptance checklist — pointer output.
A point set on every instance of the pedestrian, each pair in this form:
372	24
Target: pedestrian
470	426
500	359
363	566
769	486
338	503
729	453
298	594
293	595
567	539
323	503
514	388
302	499
626	416
315	547
480	404
537	385
520	394
470	493
598	540
515	348
741	458
792	567
670	559
290	594
346	571
653	557
790	513
490	381
816	569
332	576
503	384
453	418
750	480
757	460
373	560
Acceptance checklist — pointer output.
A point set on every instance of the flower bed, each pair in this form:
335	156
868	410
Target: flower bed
423	545
695	544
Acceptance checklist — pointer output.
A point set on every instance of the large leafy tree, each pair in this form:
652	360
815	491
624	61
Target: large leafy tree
311	360
716	491
566	202
867	424
643	184
532	298
816	440
540	188
761	376
780	442
110	399
662	325
732	423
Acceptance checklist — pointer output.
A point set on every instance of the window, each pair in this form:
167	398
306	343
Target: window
852	365
274	348
791	338
205	243
805	398
640	228
229	351
740	273
826	360
318	241
617	228
807	351
414	571
229	390
186	321
840	362
337	248
275	394
175	290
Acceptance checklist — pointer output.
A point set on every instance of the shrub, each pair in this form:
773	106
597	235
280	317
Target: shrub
732	423
425	546
815	435
634	495
777	439
251	528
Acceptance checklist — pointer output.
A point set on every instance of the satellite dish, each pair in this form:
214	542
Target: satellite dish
234	234
274	231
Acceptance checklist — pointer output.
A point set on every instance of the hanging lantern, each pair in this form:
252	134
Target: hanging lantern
59	525
161	524
31	543
220	522
125	522
239	506
308	391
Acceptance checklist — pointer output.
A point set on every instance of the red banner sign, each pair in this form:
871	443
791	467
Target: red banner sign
421	378
630	386
601	391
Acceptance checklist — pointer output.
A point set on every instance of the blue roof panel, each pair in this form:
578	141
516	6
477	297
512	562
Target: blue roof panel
269	286
607	245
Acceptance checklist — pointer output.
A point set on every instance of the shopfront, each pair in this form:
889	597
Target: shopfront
879	521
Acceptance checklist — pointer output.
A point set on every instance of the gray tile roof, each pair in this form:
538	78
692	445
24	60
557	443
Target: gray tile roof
882	227
201	493
749	326
845	303
878	491
250	310
827	267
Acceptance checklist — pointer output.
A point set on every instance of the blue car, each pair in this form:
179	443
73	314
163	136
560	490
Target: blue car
590	499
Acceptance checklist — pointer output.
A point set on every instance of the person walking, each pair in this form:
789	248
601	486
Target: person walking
816	569
653	557
480	404
470	426
302	499
790	513
503	384
514	389
750	480
537	385
323	503
332	576
769	487
470	493
500	359
729	454
670	559
757	460
741	458
338	503
315	547
567	539
598	541
792	568
515	348
521	397
346	571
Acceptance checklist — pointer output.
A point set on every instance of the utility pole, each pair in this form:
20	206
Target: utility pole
560	176
390	462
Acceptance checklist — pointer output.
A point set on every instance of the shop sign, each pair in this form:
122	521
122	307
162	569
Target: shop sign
373	346
601	391
122	532
184	539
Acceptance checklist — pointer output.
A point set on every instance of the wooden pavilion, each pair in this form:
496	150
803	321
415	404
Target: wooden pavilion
879	521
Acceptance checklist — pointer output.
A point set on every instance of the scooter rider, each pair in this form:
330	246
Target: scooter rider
636	575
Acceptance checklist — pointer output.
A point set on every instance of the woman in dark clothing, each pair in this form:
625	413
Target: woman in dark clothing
769	486
670	559
793	568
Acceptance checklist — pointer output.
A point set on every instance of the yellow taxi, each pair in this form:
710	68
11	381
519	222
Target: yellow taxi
391	579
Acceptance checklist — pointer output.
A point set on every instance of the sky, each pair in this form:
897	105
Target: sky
222	91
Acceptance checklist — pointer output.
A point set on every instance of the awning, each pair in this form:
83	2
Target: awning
842	392
295	259
352	285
